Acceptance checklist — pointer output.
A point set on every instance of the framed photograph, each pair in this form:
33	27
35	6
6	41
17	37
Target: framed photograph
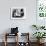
41	9
41	12
18	13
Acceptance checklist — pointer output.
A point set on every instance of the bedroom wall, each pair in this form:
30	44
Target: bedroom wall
24	25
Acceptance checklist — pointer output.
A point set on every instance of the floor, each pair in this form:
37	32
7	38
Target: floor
13	44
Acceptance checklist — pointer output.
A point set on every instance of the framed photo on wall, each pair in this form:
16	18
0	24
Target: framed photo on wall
41	9
18	13
41	12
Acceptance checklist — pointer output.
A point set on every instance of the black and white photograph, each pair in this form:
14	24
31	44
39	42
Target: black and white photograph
18	13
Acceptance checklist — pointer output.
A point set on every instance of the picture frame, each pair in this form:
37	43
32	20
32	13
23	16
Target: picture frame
40	12
18	13
41	9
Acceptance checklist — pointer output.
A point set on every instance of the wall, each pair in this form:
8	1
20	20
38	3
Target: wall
24	25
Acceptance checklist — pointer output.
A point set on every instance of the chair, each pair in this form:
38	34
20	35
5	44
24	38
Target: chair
7	35
14	32
25	43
